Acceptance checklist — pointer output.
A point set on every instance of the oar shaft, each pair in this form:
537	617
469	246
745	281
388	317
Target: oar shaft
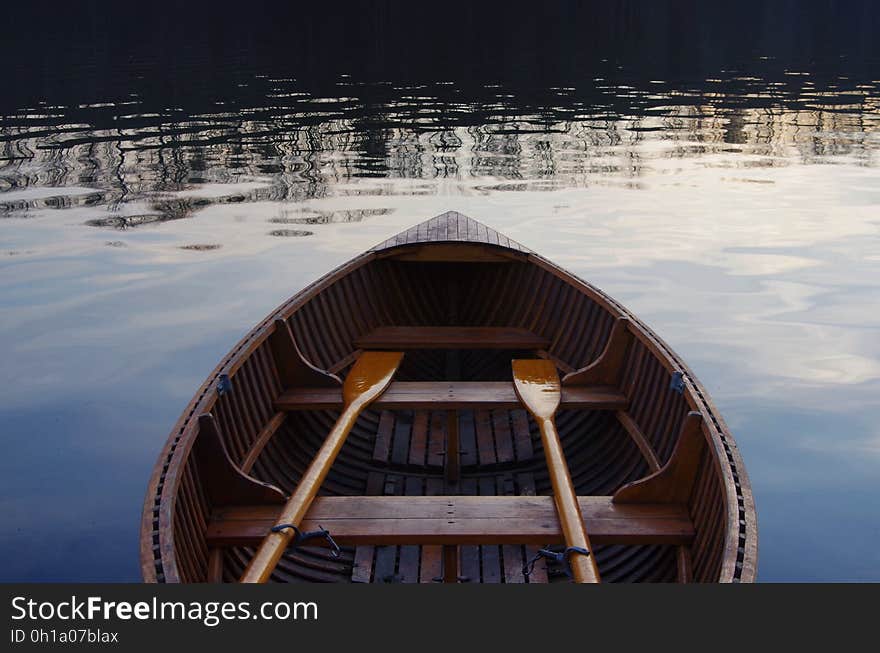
583	567
264	562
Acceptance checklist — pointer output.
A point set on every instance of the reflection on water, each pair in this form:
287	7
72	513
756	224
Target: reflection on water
305	147
151	213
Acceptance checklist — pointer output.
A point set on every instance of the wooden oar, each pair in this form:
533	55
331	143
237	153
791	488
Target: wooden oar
370	376
537	386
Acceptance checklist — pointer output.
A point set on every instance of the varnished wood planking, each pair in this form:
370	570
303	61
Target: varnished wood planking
440	395
419	442
431	564
362	568
487	519
438	229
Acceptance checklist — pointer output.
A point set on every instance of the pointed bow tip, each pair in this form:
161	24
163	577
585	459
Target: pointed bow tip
450	226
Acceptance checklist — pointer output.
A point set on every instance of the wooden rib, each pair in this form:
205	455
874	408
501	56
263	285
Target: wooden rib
485	520
639	438
675	480
442	395
293	369
683	562
215	565
607	368
345	361
262	440
561	364
223	480
192	552
333	327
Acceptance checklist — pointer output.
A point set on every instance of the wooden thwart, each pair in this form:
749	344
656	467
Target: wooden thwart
442	395
397	520
455	337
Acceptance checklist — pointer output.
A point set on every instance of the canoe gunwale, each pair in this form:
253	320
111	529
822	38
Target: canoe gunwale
157	545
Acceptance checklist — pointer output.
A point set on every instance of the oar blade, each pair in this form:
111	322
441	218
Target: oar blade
537	385
370	376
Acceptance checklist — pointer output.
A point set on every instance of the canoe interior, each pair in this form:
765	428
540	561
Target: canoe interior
400	452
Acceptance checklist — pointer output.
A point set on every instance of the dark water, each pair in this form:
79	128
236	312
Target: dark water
167	178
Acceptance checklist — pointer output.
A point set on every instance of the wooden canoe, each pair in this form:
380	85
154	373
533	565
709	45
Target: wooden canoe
443	476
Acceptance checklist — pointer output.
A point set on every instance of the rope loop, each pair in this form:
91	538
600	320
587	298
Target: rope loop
560	557
300	537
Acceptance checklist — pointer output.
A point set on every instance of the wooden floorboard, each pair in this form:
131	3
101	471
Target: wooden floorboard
386	554
419	444
362	568
409	554
432	554
526	484
519	420
490	554
468	554
503	436
382	445
467	438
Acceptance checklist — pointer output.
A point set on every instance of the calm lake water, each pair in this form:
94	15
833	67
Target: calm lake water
162	191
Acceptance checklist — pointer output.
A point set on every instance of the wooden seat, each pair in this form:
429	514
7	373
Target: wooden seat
455	520
442	395
452	337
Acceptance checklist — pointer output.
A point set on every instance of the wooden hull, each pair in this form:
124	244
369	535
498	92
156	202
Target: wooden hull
506	302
